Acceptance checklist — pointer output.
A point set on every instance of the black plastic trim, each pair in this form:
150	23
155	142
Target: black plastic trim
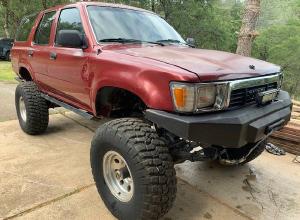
78	111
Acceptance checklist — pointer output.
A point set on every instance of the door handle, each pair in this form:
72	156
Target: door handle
30	53
53	56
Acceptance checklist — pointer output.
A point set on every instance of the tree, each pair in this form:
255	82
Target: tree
13	11
247	33
5	13
279	42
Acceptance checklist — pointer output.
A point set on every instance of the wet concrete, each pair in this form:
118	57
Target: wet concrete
48	177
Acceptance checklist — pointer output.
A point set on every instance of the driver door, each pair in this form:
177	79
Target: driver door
68	67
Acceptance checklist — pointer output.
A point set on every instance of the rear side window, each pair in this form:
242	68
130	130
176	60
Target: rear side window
42	35
25	27
69	19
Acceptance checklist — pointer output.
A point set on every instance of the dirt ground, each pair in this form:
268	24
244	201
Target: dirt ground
49	177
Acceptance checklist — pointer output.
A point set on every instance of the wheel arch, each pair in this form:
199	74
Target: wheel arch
110	100
25	74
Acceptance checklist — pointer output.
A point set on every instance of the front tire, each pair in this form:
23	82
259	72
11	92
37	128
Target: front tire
147	168
32	109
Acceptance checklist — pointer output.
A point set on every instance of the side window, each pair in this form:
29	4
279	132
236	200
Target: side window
25	27
42	35
69	19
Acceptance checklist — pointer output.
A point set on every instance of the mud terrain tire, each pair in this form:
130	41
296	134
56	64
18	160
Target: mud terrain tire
149	163
32	109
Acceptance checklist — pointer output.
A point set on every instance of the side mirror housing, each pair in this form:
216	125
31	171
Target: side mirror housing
190	41
71	38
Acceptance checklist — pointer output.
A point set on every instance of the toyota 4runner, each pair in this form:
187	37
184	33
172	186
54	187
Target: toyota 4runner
172	102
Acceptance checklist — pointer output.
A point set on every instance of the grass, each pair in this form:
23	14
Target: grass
6	72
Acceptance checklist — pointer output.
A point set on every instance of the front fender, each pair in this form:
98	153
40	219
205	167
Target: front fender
154	94
150	83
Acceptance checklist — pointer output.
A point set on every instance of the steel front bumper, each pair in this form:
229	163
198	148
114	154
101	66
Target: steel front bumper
232	129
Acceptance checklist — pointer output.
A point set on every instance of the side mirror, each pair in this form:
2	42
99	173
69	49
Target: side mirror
71	38
190	41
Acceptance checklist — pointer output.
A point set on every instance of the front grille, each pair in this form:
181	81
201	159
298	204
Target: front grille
240	97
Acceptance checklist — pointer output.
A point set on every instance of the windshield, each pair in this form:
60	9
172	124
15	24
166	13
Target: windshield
118	24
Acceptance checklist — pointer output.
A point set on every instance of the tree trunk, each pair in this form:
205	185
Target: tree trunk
247	33
6	16
153	5
6	31
44	3
166	4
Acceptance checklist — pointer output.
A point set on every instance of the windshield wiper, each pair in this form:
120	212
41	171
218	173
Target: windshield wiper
126	40
171	41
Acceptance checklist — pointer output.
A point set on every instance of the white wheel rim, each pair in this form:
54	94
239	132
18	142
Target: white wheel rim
117	176
22	109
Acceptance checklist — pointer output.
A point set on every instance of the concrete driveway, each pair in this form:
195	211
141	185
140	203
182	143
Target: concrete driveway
7	101
49	177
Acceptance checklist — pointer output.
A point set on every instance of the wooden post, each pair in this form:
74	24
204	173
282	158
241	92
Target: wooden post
44	3
247	33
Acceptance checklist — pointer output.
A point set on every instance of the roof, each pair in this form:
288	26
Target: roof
100	4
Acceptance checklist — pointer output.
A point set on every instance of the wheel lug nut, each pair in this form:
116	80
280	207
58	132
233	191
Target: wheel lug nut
118	174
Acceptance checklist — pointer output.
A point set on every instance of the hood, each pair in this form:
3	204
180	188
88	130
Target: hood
208	65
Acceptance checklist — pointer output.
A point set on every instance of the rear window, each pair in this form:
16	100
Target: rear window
25	27
42	35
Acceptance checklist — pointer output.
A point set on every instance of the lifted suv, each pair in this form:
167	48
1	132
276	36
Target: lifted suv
116	61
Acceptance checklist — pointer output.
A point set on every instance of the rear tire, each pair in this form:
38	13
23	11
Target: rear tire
32	109
150	167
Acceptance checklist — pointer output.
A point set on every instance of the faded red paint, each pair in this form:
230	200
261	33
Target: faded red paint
145	70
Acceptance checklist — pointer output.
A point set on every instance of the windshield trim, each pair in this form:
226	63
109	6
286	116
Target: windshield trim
132	9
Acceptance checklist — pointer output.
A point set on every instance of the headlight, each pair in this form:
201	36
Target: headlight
206	96
183	96
188	97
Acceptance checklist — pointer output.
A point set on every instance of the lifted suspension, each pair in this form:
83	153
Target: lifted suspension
182	150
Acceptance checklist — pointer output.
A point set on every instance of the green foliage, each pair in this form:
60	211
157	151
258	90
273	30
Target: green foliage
276	12
212	26
17	9
280	44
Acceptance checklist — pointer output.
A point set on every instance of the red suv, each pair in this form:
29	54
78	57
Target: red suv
169	98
